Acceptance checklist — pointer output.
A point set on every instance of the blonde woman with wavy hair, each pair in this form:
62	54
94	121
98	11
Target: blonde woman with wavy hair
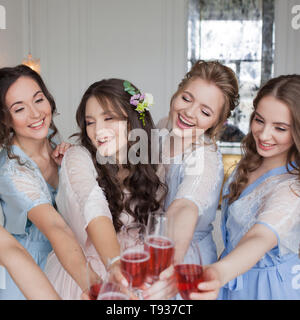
201	104
261	204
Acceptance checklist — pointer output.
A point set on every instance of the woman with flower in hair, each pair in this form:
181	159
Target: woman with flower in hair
261	204
29	176
100	189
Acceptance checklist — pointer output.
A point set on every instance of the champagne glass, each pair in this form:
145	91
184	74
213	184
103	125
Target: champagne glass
111	289
93	286
188	270
134	233
134	257
159	244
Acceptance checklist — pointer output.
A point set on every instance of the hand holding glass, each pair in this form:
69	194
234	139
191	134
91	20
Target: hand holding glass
134	257
188	270
159	244
113	290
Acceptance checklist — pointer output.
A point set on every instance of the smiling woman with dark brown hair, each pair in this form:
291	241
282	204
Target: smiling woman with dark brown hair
140	180
98	198
29	175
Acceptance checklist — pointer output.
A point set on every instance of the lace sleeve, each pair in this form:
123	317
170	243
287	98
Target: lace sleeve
280	212
79	170
21	189
203	177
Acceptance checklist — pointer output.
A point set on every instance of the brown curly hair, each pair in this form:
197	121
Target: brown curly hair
8	76
142	182
285	88
222	77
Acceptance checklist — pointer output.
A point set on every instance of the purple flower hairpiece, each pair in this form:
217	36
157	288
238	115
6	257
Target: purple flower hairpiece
142	102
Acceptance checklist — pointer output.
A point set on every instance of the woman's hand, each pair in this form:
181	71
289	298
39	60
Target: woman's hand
209	288
85	295
58	153
115	274
164	288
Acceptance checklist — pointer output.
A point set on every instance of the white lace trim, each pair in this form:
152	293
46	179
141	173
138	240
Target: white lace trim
274	203
27	180
79	173
203	176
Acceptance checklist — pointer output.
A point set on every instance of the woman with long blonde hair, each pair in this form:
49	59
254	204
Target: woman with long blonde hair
201	104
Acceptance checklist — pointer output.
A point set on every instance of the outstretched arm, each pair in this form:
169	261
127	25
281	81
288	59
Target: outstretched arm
79	173
27	275
183	215
63	241
252	247
102	234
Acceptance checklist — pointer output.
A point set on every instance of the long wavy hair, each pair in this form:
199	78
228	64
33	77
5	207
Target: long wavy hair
286	89
8	76
222	77
142	182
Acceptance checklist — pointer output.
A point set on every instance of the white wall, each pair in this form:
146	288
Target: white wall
287	39
12	38
144	41
82	41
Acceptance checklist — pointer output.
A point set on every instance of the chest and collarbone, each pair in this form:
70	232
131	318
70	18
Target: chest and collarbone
48	169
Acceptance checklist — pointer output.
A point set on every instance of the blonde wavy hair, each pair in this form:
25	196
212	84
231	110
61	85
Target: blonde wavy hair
222	77
286	89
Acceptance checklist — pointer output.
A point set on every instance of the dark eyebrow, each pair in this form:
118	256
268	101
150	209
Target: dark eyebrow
277	123
40	91
108	112
20	102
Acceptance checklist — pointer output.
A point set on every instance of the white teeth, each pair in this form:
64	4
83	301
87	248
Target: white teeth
102	140
37	124
185	122
266	145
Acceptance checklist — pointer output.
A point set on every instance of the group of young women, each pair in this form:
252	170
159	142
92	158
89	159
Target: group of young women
64	208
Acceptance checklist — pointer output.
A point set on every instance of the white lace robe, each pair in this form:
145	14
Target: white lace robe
79	200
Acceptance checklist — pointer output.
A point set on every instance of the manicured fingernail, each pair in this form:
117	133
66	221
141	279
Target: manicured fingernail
201	286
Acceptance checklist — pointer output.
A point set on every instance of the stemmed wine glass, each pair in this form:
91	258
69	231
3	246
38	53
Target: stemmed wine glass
159	244
188	270
113	290
134	233
94	286
134	257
